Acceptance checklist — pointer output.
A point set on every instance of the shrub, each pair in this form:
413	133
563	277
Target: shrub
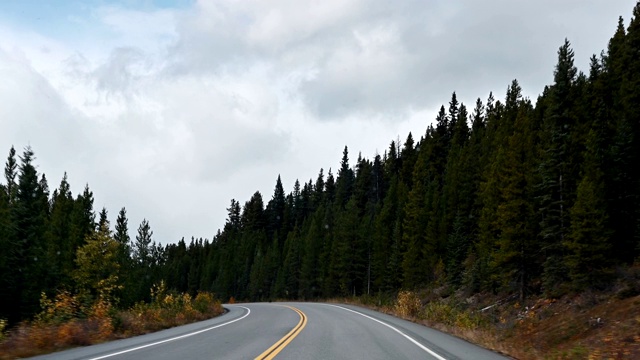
408	304
439	312
100	320
71	320
206	303
158	293
3	326
451	315
62	308
72	333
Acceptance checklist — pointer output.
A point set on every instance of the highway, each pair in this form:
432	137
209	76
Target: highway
288	331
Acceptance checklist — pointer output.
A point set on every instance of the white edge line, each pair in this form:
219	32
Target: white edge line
394	329
175	338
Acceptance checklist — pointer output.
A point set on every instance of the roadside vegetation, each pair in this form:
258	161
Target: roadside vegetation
69	320
587	325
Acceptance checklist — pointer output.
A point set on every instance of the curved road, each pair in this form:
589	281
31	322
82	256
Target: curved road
288	331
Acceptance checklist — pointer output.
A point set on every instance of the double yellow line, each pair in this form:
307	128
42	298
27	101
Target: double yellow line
275	349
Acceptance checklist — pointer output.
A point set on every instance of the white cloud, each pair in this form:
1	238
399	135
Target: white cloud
173	112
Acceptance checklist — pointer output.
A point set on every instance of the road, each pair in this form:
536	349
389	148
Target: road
288	331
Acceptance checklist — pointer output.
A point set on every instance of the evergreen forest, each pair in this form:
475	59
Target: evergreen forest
508	195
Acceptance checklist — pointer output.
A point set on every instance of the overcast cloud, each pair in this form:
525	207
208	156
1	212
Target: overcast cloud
172	108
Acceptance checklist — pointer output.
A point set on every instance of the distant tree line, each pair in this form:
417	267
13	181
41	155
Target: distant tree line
509	196
51	242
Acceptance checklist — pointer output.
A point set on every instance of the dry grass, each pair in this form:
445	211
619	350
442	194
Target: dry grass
585	326
30	339
172	310
609	329
64	324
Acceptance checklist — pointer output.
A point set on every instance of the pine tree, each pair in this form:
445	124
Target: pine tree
363	188
30	217
394	273
178	265
345	180
123	257
142	245
291	265
615	63
233	223
195	266
474	158
441	143
312	250
625	194
82	218
11	249
415	224
143	262
338	279
457	246
330	188
555	188
122	231
349	228
257	276
253	216
383	237
103	218
60	249
296	197
328	223
408	158
514	258
275	211
458	193
8	301
589	241
318	189
98	272
391	162
477	118
453	113
271	287
10	173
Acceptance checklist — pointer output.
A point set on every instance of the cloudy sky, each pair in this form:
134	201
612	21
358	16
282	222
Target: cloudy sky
171	108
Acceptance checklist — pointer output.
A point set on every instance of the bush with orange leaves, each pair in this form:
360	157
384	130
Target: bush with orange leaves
62	308
100	320
64	322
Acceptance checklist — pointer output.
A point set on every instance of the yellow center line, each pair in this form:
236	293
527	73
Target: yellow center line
275	349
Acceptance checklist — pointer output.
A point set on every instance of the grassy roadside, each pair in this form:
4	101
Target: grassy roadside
64	323
589	325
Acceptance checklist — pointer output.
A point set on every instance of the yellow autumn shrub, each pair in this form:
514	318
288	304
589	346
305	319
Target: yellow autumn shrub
408	304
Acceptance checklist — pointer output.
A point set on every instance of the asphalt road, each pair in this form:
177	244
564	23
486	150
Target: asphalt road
288	331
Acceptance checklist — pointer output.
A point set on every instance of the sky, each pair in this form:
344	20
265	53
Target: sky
171	108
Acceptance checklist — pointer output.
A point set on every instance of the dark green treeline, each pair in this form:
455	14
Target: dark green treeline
504	196
46	238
